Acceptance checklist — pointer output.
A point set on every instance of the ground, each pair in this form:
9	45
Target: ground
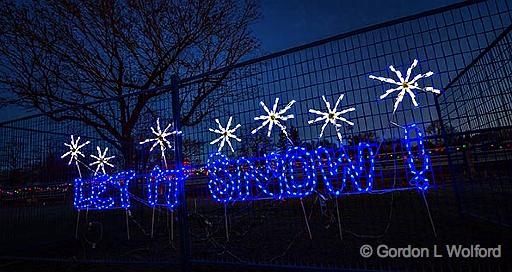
261	233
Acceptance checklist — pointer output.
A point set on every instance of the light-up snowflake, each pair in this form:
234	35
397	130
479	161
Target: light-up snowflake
101	160
161	137
331	116
274	117
74	150
406	85
225	134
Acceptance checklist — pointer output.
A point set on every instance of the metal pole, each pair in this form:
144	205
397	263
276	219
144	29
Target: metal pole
447	144
178	157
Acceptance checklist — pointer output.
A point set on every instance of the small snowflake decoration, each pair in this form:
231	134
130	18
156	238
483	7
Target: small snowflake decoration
225	134
74	150
274	117
161	137
331	116
406	85
101	160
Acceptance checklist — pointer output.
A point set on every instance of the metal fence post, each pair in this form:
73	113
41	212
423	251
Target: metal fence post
178	156
447	144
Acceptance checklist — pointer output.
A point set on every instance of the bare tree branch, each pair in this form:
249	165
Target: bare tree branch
64	53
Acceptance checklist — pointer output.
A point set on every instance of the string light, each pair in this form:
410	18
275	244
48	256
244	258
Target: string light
171	180
333	166
296	187
225	134
161	138
99	188
103	191
275	174
293	173
246	173
405	85
222	183
331	116
122	181
101	160
79	200
419	180
362	163
287	175
74	150
274	117
349	168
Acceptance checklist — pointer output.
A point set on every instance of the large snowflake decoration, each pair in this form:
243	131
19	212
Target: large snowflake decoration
74	150
331	116
161	137
225	134
274	117
101	160
406	85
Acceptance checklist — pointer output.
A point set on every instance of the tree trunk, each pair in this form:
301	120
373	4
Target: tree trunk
129	154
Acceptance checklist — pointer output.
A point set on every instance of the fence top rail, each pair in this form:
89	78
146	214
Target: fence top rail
192	79
333	38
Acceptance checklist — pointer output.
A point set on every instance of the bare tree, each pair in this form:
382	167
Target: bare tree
66	53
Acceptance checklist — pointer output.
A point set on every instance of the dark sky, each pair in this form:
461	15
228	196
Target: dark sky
289	23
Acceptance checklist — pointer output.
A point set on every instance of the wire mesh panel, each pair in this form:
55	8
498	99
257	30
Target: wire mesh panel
477	113
443	43
348	180
48	212
231	229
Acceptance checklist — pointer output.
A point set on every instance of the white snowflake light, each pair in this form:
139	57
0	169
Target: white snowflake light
161	137
274	117
406	85
225	134
331	116
74	150
101	160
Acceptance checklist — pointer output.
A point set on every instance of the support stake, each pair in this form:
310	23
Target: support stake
153	222
77	223
127	225
429	215
339	218
306	219
226	221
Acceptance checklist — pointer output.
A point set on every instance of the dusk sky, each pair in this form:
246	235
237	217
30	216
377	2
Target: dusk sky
289	23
